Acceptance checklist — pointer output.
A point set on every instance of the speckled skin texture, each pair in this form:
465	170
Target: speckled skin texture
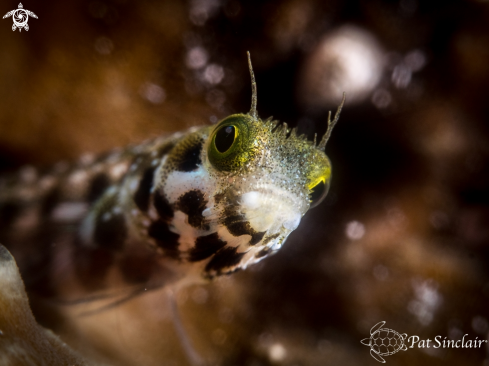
160	213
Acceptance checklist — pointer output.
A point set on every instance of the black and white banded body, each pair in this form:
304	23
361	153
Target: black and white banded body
174	210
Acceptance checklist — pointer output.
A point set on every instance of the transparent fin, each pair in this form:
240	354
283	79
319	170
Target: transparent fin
192	355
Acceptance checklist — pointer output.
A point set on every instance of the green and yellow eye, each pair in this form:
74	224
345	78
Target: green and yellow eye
229	147
319	179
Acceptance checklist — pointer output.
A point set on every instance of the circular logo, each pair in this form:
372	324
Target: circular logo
20	18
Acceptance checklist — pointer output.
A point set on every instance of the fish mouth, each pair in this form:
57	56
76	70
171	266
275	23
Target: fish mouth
253	223
265	213
272	209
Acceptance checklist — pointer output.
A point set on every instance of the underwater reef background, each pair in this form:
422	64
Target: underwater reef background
403	235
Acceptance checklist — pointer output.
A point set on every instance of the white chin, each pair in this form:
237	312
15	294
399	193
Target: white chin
293	222
270	212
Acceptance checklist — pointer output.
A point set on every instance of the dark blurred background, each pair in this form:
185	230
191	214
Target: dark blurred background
403	235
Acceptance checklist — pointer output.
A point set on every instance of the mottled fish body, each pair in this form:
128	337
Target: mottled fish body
173	210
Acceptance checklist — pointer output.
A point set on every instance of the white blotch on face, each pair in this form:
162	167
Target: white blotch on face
270	209
69	211
179	183
251	200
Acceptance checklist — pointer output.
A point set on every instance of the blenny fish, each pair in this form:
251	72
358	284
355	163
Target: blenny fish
171	211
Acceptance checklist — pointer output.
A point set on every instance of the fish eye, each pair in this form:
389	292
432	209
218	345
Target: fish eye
229	146
318	193
225	137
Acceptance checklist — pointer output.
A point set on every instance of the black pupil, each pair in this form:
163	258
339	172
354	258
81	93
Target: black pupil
224	138
317	193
